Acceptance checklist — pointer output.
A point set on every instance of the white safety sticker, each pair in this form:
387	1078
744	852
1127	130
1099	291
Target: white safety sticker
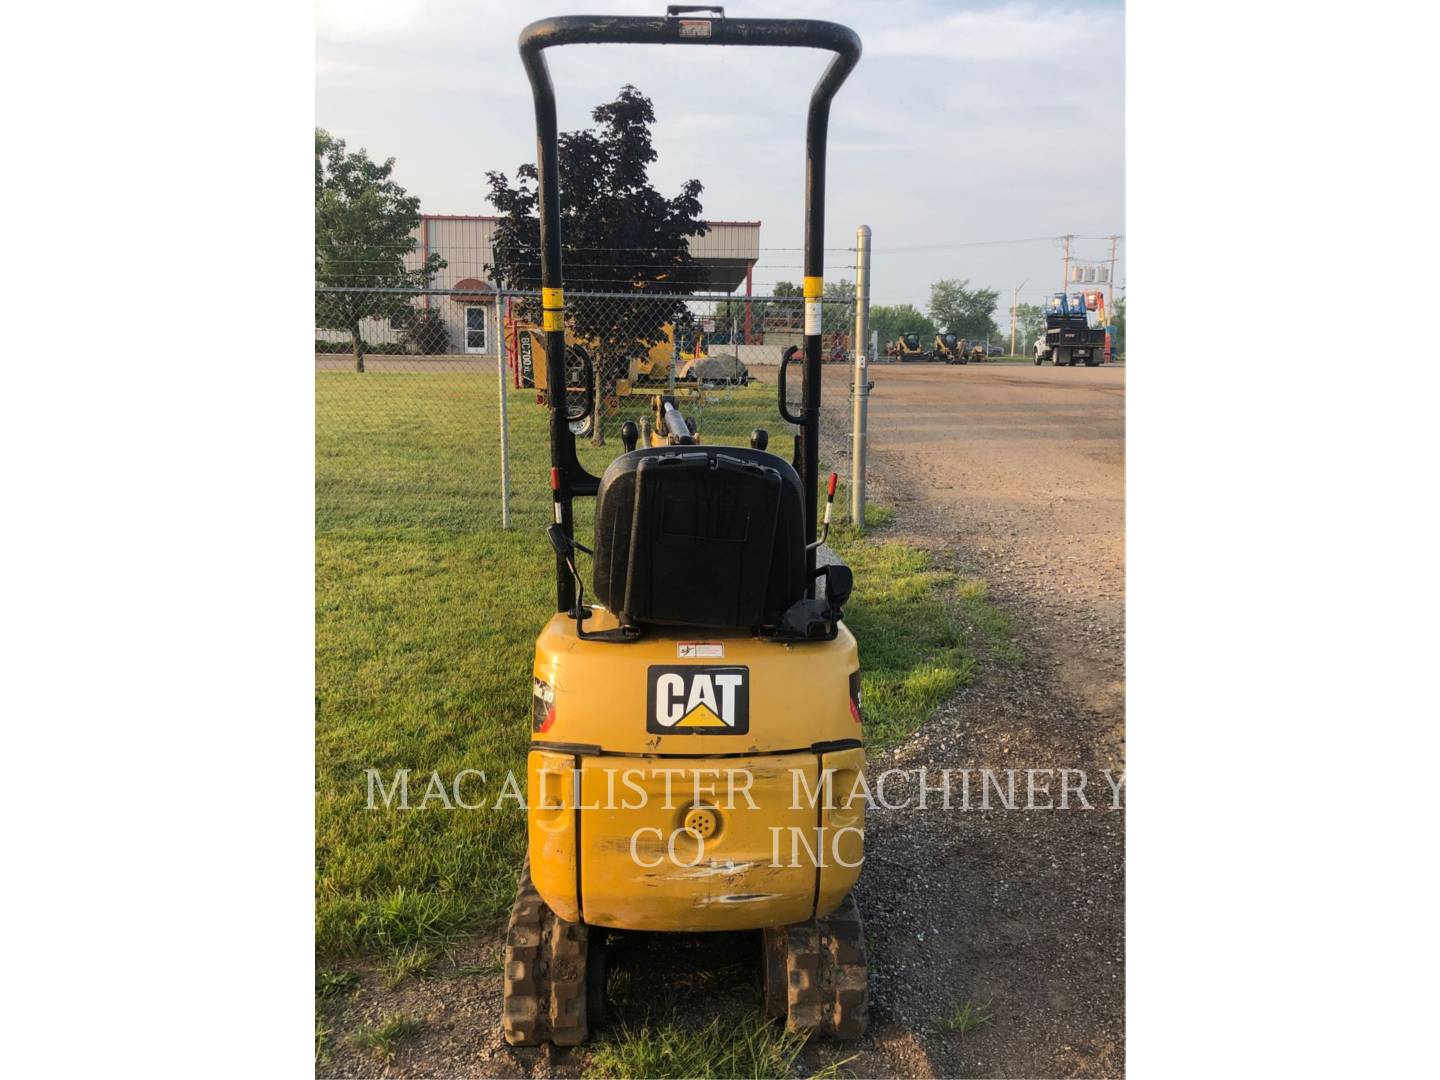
696	650
694	27
812	317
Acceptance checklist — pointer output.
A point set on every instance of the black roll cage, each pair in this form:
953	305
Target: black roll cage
568	477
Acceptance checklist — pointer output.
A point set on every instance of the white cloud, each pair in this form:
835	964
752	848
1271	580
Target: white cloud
365	20
1014	31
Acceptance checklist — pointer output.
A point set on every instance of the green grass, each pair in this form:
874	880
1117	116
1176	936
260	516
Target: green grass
750	1047
994	628
332	984
406	963
965	1018
426	616
382	1037
322	1041
913	650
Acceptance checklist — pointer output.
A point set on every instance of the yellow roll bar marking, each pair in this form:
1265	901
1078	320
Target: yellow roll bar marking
552	298
554	320
814	288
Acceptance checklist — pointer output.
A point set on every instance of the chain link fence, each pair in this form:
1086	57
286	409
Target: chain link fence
430	404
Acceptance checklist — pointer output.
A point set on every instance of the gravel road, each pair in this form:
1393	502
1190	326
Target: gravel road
1015	474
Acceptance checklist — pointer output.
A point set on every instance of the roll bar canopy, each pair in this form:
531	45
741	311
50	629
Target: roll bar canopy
681	25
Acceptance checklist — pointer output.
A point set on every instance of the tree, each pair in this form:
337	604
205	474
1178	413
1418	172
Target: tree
1029	325
890	321
363	222
619	235
1117	320
837	314
962	310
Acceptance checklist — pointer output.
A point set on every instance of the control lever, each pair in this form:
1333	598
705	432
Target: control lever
629	435
829	506
676	426
759	439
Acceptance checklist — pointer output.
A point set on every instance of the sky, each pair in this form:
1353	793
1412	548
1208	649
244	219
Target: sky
969	137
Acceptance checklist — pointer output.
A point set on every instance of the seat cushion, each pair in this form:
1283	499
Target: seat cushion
708	536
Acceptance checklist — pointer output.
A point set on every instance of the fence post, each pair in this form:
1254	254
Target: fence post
860	398
501	303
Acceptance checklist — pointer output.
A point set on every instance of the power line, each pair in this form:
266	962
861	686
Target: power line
987	243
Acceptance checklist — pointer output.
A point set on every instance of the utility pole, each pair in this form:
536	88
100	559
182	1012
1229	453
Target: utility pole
1015	313
1065	285
1110	285
860	397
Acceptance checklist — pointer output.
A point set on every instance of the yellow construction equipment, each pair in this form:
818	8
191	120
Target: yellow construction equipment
951	349
696	753
907	347
654	367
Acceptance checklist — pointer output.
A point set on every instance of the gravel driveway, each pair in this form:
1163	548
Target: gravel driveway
1014	474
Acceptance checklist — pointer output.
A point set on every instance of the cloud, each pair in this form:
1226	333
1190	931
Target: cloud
1014	31
366	20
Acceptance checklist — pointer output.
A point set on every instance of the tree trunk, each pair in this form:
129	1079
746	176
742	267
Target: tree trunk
358	343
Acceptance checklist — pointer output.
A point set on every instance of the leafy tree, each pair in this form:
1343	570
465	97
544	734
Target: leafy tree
363	222
837	315
1030	324
889	321
962	310
619	235
1117	320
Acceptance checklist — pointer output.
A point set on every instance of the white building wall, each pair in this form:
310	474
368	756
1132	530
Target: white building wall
728	240
465	245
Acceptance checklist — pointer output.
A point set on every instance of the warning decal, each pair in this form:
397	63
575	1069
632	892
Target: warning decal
812	317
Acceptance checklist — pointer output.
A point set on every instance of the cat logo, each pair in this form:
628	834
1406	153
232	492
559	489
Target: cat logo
690	700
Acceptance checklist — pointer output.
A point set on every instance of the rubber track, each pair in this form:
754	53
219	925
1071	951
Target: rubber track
827	979
544	973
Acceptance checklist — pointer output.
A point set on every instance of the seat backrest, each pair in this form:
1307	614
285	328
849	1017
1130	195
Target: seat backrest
710	536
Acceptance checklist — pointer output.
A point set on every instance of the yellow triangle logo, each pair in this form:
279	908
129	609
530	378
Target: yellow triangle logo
701	716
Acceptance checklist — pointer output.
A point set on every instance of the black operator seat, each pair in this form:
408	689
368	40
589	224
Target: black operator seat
709	536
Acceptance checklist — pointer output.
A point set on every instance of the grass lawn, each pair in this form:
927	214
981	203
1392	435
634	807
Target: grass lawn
426	615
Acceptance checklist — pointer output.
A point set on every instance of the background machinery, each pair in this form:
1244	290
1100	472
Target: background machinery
907	347
651	373
709	640
951	349
1075	329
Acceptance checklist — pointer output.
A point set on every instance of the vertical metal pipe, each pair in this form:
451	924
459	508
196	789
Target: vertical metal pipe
861	397
749	272
504	413
674	356
816	130
552	277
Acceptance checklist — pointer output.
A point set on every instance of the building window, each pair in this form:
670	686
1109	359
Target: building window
475	325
